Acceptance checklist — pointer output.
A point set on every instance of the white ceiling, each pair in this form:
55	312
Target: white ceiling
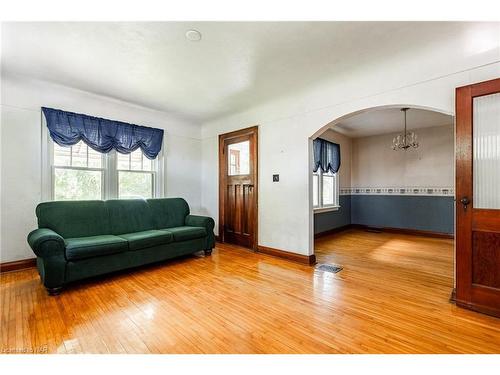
389	120
236	64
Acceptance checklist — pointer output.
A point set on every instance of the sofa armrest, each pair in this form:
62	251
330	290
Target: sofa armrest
201	221
206	222
46	243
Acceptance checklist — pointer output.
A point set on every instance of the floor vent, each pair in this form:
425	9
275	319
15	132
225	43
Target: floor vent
329	268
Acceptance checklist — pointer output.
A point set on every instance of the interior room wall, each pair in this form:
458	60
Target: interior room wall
20	142
375	164
422	78
411	189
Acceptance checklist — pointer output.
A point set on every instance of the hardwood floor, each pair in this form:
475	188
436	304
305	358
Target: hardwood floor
391	297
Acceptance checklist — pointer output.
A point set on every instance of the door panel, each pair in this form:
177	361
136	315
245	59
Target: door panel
478	197
485	259
237	187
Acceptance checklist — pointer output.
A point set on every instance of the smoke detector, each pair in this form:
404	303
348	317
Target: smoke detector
193	35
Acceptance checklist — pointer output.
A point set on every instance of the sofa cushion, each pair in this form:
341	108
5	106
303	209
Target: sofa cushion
187	233
129	216
147	238
88	247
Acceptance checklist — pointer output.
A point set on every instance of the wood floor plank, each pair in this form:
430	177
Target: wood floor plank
391	297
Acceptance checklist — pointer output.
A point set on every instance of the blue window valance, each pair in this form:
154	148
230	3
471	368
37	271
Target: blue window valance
326	156
102	135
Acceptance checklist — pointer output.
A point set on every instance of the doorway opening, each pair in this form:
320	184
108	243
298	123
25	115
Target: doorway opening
388	207
238	187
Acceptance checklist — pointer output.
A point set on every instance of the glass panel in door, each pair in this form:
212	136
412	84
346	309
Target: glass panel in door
486	152
238	158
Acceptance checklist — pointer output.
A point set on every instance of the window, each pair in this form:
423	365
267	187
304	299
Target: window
135	175
239	158
79	173
325	190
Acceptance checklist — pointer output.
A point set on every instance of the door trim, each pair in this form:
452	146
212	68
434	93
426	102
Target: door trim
254	131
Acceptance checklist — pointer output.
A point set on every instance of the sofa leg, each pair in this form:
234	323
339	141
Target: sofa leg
54	291
208	252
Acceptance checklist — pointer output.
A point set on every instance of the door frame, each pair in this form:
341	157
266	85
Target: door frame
468	294
253	131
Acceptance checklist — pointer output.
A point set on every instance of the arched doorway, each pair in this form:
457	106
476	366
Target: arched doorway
387	204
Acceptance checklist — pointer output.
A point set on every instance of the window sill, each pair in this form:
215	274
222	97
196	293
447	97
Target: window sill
319	210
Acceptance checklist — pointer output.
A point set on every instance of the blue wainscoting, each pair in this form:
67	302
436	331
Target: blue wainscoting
433	213
427	213
325	221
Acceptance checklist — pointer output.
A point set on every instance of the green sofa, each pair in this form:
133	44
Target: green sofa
81	239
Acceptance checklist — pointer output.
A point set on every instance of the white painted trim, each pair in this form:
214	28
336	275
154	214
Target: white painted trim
46	157
320	190
110	176
319	210
160	165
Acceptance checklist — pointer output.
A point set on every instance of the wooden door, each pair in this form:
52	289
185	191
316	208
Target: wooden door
238	187
478	197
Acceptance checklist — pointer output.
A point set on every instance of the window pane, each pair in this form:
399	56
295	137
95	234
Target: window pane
135	185
95	159
315	190
328	189
147	164
79	155
239	158
136	160
123	161
62	155
72	184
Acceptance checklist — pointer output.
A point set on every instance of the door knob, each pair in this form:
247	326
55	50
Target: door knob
465	202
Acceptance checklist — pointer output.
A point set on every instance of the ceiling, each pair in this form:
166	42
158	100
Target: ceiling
389	120
236	65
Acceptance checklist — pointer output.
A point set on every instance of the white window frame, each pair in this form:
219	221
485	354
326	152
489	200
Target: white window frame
109	180
153	172
320	207
76	168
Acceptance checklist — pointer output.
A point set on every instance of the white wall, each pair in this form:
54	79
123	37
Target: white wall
21	151
425	78
345	155
432	164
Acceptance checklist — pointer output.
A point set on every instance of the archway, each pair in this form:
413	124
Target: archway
447	190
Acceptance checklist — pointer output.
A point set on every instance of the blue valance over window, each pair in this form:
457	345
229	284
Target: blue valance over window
326	156
68	128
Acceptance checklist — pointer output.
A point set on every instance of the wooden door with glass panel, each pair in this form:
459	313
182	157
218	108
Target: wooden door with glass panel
238	187
478	197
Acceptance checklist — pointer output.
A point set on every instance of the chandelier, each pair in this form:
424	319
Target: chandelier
406	140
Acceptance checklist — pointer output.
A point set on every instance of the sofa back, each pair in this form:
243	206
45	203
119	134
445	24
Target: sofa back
169	212
74	218
129	215
116	216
